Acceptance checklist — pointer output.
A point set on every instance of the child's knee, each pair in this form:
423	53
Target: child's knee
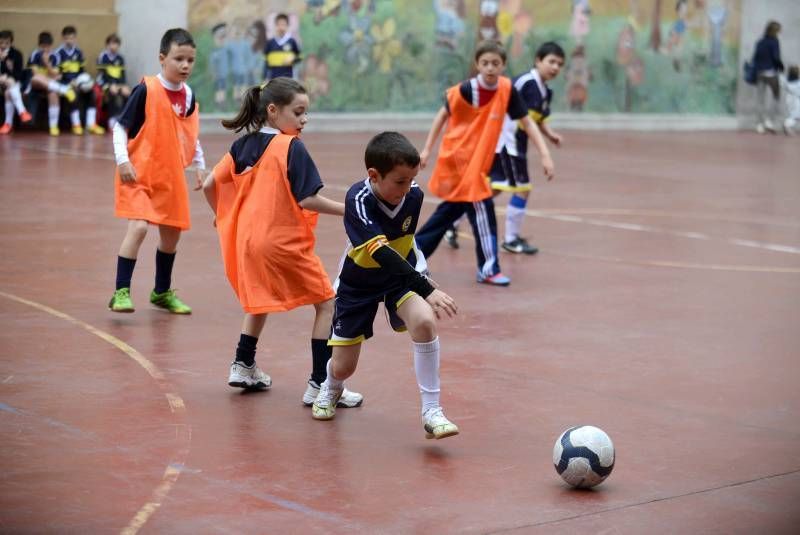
423	327
137	230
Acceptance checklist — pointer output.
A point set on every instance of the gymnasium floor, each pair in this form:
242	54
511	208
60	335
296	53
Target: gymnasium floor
664	307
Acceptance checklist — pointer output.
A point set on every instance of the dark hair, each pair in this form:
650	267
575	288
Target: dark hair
260	36
772	29
45	38
113	38
253	114
793	73
387	150
550	48
177	36
69	30
485	47
7	34
283	16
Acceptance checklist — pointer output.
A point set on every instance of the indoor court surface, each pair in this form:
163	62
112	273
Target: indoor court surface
663	307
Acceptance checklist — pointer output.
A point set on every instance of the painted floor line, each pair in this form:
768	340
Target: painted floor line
175	402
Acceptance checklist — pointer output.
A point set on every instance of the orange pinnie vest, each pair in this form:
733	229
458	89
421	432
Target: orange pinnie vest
468	145
267	239
160	152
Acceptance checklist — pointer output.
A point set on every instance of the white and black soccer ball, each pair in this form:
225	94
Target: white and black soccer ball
84	82
583	456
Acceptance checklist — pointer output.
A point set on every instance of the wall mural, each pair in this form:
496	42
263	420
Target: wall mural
647	56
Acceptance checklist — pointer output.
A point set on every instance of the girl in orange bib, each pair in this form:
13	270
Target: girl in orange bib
155	139
265	195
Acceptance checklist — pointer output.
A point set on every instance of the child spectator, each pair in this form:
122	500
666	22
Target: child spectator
474	112
510	168
265	195
11	77
154	141
111	78
70	63
381	264
46	77
282	51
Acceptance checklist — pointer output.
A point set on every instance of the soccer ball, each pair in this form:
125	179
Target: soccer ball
84	82
583	456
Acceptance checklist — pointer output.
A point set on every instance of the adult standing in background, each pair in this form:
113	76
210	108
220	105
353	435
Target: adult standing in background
767	64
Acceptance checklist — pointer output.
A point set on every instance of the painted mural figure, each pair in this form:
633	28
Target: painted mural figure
676	34
449	26
219	64
241	58
579	27
578	76
717	15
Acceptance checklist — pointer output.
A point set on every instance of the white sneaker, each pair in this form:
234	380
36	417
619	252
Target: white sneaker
760	128
324	407
251	378
769	126
437	425
347	401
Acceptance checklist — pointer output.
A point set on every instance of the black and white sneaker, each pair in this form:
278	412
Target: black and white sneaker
451	237
519	246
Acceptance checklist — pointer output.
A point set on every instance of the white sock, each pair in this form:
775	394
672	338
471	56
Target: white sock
91	116
58	88
9	111
514	217
331	380
16	98
52	115
75	117
111	122
426	366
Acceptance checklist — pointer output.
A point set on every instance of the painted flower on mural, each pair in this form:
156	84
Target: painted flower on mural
357	42
315	77
387	47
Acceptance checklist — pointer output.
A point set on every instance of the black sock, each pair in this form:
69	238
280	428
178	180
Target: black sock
164	263
125	271
320	353
246	352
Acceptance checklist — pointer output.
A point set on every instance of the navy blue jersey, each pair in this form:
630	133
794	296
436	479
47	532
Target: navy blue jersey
132	116
304	179
277	53
110	68
537	103
471	91
70	63
369	223
36	62
13	64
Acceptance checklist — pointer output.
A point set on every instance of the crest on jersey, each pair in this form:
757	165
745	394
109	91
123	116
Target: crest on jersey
406	223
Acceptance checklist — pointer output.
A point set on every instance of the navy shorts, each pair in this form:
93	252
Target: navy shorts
353	316
509	173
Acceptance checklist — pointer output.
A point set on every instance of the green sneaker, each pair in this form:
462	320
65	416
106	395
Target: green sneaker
169	301
121	301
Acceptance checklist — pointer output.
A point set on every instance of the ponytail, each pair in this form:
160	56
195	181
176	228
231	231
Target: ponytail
253	114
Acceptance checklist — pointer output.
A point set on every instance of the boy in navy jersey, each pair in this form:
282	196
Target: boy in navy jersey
510	167
281	52
46	78
70	63
111	78
382	264
11	81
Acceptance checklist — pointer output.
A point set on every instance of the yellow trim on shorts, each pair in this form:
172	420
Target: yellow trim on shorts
512	189
347	341
406	297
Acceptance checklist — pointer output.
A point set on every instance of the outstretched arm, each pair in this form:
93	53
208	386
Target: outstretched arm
436	129
535	135
323	205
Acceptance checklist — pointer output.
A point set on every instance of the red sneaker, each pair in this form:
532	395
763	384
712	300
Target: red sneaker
5	129
25	117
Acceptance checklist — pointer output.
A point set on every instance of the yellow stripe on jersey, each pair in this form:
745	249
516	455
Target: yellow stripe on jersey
38	69
70	66
280	58
362	255
113	71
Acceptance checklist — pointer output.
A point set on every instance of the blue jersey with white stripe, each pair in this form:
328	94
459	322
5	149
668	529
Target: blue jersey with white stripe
70	63
369	222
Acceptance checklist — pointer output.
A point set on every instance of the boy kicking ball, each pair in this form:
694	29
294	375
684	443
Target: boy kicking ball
381	264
